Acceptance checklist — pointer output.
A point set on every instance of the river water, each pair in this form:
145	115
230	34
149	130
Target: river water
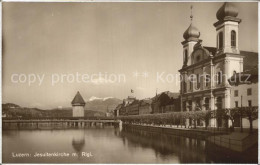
100	145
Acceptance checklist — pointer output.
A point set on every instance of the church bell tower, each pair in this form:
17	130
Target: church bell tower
227	29
191	37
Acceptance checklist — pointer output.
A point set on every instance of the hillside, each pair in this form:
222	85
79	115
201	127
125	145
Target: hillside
13	110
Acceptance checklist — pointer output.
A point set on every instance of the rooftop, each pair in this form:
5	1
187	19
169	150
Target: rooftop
78	100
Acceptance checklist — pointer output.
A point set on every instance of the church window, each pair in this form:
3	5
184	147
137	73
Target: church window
233	38
219	78
220	40
207	80
184	86
207	103
184	106
236	104
249	91
191	78
236	93
249	103
186	56
198	81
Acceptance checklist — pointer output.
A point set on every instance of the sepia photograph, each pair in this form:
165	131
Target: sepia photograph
129	82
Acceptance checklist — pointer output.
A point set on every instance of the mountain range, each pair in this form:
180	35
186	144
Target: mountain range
94	106
102	104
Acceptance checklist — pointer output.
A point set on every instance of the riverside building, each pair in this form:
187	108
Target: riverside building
206	70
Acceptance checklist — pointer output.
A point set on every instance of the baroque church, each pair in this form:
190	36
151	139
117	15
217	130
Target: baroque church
206	70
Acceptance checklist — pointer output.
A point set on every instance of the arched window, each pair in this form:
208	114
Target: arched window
220	40
184	106
207	80
219	103
184	86
233	38
219	78
185	56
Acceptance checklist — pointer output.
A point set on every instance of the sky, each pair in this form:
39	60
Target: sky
136	45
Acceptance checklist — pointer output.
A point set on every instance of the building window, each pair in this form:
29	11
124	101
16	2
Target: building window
233	38
184	106
198	81
198	105
220	40
185	56
219	77
249	103
184	86
207	80
249	91
236	93
191	82
190	105
236	104
207	103
219	103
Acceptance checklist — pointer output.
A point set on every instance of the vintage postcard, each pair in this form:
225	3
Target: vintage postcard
129	82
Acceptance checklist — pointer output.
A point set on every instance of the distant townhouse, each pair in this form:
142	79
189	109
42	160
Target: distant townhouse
123	111
145	106
117	110
133	108
160	101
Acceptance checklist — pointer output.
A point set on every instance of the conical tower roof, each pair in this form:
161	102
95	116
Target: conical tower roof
78	100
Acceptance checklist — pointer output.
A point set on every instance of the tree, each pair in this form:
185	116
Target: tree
241	112
204	116
252	114
231	114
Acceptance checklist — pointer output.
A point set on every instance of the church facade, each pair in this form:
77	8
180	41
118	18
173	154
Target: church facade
206	70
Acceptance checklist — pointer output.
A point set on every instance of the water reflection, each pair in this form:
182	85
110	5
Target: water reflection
185	150
78	141
108	145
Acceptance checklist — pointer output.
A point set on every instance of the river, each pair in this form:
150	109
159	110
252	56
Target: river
100	145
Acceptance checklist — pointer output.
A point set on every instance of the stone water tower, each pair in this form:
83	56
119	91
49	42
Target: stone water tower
78	105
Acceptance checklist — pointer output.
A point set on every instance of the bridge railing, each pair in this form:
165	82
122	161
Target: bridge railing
59	118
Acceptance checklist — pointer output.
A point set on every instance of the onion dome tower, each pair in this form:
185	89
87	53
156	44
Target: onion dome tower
191	37
78	105
227	29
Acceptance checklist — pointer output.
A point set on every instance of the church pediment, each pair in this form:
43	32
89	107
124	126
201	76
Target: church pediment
199	54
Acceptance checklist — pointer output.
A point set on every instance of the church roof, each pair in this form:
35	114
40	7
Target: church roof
191	33
78	100
168	93
228	9
250	60
145	101
212	50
